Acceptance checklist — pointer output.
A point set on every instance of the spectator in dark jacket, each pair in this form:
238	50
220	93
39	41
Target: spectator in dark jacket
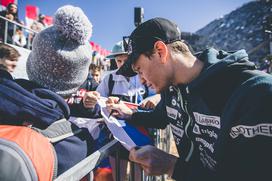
75	101
59	61
10	13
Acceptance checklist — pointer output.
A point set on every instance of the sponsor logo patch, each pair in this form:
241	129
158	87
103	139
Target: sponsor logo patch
177	139
205	143
172	113
210	133
206	120
251	131
207	160
179	123
177	131
174	102
196	129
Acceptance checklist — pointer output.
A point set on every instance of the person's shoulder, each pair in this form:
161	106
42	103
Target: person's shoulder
17	20
256	86
4	74
114	76
3	13
106	74
264	80
259	77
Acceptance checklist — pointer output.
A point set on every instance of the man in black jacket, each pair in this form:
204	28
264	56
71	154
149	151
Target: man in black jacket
217	105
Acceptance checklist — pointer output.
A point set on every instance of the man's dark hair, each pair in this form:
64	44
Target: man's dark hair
8	52
177	46
94	67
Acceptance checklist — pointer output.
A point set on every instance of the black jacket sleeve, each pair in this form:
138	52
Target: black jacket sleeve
179	170
249	132
151	119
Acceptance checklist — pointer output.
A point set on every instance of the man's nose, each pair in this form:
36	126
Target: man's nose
143	81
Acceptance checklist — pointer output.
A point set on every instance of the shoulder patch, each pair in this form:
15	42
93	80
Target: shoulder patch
206	120
251	131
171	112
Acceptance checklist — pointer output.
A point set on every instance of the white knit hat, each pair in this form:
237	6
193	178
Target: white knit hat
61	54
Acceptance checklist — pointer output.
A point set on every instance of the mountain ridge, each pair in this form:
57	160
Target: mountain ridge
242	28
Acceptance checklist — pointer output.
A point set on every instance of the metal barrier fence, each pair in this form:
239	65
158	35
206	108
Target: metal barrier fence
7	35
161	141
90	162
94	160
8	30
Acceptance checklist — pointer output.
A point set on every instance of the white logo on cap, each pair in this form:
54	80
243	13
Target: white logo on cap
178	30
174	102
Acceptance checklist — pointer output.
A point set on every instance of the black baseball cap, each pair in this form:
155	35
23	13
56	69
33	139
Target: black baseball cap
142	39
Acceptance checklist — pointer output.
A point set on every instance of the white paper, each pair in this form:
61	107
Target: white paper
90	124
116	126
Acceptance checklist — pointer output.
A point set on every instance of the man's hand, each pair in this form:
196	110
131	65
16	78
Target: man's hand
90	99
120	109
153	160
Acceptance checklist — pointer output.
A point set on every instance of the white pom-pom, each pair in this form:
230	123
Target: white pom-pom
73	23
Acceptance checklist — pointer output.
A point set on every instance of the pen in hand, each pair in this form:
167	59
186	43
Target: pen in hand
112	111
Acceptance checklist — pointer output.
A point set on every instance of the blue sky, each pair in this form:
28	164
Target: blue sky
113	19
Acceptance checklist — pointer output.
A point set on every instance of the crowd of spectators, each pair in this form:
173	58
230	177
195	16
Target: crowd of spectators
11	14
14	31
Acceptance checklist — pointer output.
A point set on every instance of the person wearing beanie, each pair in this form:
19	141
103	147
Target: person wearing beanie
60	58
61	54
59	61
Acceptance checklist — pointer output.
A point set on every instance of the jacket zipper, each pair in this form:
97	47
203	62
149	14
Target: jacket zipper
184	107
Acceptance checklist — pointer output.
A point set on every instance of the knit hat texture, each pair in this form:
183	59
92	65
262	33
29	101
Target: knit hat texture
61	54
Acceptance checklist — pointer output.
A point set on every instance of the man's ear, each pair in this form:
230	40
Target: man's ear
162	50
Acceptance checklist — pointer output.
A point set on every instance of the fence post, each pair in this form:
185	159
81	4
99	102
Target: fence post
117	166
14	31
6	32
